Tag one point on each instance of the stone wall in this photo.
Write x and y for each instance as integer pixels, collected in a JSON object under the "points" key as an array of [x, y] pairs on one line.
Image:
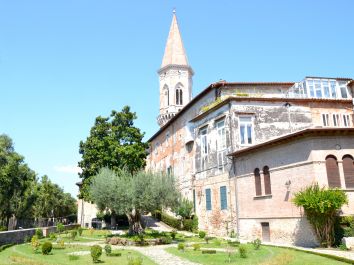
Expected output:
{"points": [[19, 236]]}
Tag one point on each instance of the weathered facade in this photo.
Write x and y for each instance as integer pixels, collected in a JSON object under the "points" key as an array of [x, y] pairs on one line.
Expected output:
{"points": [[201, 145]]}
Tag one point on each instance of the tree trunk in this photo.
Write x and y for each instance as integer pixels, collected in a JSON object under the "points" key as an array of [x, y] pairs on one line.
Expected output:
{"points": [[134, 219], [113, 220]]}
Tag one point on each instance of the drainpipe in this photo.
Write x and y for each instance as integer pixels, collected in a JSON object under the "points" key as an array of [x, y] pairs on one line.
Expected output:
{"points": [[236, 197]]}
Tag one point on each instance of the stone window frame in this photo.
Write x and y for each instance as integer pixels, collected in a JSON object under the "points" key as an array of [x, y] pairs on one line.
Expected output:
{"points": [[348, 171], [252, 129], [204, 146], [208, 199], [221, 152], [223, 198], [325, 119], [346, 120], [332, 170]]}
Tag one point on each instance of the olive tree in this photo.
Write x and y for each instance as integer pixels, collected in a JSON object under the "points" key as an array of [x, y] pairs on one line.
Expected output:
{"points": [[124, 192]]}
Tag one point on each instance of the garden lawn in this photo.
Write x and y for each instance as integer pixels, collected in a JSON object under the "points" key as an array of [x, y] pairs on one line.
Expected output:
{"points": [[23, 255], [266, 255]]}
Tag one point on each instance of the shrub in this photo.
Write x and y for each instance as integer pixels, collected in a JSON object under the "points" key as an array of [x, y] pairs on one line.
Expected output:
{"points": [[321, 206], [207, 238], [3, 228], [166, 240], [202, 234], [135, 260], [73, 234], [74, 257], [188, 224], [195, 224], [52, 236], [96, 252], [342, 247], [39, 233], [108, 249], [173, 234], [91, 231], [80, 230], [209, 251], [196, 247], [171, 221], [60, 228], [114, 241], [61, 243], [35, 243], [243, 251], [256, 243], [233, 234], [181, 246], [47, 248], [348, 231]]}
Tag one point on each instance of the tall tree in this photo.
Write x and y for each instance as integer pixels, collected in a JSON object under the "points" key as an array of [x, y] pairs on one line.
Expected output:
{"points": [[133, 193], [114, 142], [15, 180]]}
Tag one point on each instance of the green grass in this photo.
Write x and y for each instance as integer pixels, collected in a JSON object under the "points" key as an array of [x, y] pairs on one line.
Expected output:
{"points": [[23, 255], [266, 255]]}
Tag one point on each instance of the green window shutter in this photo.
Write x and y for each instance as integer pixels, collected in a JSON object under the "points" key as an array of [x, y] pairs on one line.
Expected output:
{"points": [[208, 199], [223, 198]]}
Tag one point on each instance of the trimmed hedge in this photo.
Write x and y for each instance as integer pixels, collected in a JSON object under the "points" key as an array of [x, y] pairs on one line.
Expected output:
{"points": [[209, 251], [3, 247], [171, 221]]}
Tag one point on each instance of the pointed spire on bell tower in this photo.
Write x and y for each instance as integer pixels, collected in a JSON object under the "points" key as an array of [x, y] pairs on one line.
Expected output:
{"points": [[175, 76], [174, 50]]}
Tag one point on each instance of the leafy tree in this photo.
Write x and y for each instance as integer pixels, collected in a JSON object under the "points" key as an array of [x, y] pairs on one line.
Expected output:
{"points": [[321, 206], [15, 181], [52, 201], [133, 193], [184, 208], [114, 142]]}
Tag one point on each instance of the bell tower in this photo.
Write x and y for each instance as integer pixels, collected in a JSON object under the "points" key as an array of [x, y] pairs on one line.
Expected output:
{"points": [[175, 76]]}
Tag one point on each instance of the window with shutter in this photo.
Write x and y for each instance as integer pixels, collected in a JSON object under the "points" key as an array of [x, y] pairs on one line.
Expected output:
{"points": [[257, 181], [348, 169], [332, 172], [208, 199], [223, 198], [267, 185]]}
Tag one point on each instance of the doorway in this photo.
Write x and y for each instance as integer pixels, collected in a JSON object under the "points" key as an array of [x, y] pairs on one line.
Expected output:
{"points": [[265, 232]]}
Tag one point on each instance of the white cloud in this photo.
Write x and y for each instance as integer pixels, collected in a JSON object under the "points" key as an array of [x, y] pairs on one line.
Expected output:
{"points": [[67, 169]]}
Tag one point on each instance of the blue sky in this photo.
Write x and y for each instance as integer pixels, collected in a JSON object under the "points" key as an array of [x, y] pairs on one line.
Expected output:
{"points": [[62, 63]]}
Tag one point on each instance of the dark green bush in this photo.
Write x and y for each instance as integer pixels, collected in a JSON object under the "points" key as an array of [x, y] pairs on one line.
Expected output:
{"points": [[47, 248], [243, 251], [195, 224], [39, 233], [256, 243], [202, 234], [188, 224], [108, 249], [171, 221], [96, 252], [209, 251], [115, 254]]}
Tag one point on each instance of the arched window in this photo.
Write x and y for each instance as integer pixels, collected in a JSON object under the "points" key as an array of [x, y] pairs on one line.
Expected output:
{"points": [[267, 185], [332, 172], [257, 182], [179, 94], [348, 169]]}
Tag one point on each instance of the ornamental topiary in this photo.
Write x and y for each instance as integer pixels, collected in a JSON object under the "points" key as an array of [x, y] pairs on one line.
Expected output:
{"points": [[96, 252], [47, 248], [39, 233], [108, 249], [321, 206], [243, 251], [202, 234]]}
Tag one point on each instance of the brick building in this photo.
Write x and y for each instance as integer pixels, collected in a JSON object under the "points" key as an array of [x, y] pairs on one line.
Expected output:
{"points": [[240, 150]]}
